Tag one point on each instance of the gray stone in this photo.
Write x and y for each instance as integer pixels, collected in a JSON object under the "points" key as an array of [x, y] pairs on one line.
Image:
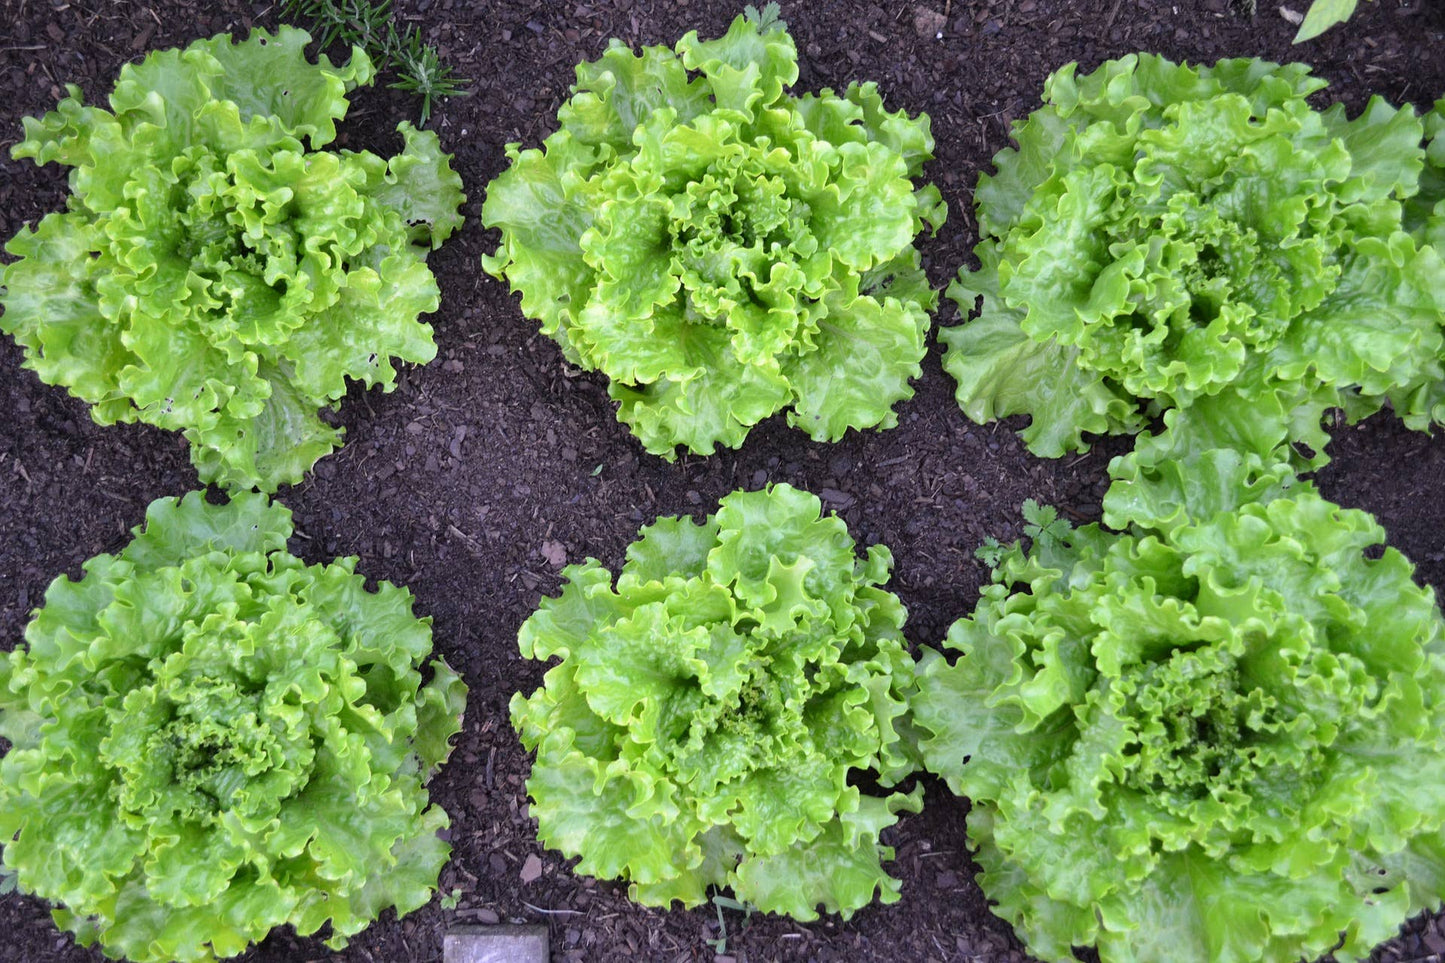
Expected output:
{"points": [[495, 944]]}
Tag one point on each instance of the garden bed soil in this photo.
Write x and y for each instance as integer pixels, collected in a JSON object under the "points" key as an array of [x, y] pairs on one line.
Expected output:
{"points": [[484, 472]]}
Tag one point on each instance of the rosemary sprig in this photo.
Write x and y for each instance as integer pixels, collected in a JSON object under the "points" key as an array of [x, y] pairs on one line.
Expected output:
{"points": [[360, 22], [368, 25], [419, 69]]}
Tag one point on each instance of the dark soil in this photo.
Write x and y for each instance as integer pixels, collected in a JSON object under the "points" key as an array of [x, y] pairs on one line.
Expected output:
{"points": [[459, 483]]}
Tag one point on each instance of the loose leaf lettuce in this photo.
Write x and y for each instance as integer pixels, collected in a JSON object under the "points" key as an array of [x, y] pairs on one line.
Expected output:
{"points": [[1201, 242], [1425, 217], [1426, 212], [709, 710], [211, 738], [1215, 737], [213, 275], [721, 249]]}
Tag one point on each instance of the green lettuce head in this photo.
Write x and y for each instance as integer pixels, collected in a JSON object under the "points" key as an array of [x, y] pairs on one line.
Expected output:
{"points": [[1425, 216], [721, 249], [708, 712], [1215, 737], [1426, 211], [214, 276], [1200, 243], [211, 738]]}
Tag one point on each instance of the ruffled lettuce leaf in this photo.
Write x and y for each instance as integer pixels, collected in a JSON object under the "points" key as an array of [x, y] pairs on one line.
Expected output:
{"points": [[1424, 404], [721, 249], [1162, 236], [708, 711], [211, 739], [212, 274], [1213, 736]]}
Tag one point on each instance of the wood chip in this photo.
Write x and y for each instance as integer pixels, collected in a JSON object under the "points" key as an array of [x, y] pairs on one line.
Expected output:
{"points": [[927, 22], [555, 553]]}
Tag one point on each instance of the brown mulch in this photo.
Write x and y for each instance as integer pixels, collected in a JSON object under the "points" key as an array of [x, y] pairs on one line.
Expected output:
{"points": [[452, 484]]}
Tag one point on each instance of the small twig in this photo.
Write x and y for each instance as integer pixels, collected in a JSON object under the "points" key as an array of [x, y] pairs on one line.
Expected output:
{"points": [[471, 543], [551, 912]]}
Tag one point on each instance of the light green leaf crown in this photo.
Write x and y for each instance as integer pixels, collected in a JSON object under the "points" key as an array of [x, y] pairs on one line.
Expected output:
{"points": [[211, 738], [1216, 737], [212, 274], [721, 249], [1200, 243], [708, 712]]}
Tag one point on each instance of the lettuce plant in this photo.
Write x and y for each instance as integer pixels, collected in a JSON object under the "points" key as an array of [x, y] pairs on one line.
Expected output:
{"points": [[1428, 210], [719, 248], [211, 738], [1217, 735], [1425, 216], [214, 276], [708, 712], [1200, 243]]}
